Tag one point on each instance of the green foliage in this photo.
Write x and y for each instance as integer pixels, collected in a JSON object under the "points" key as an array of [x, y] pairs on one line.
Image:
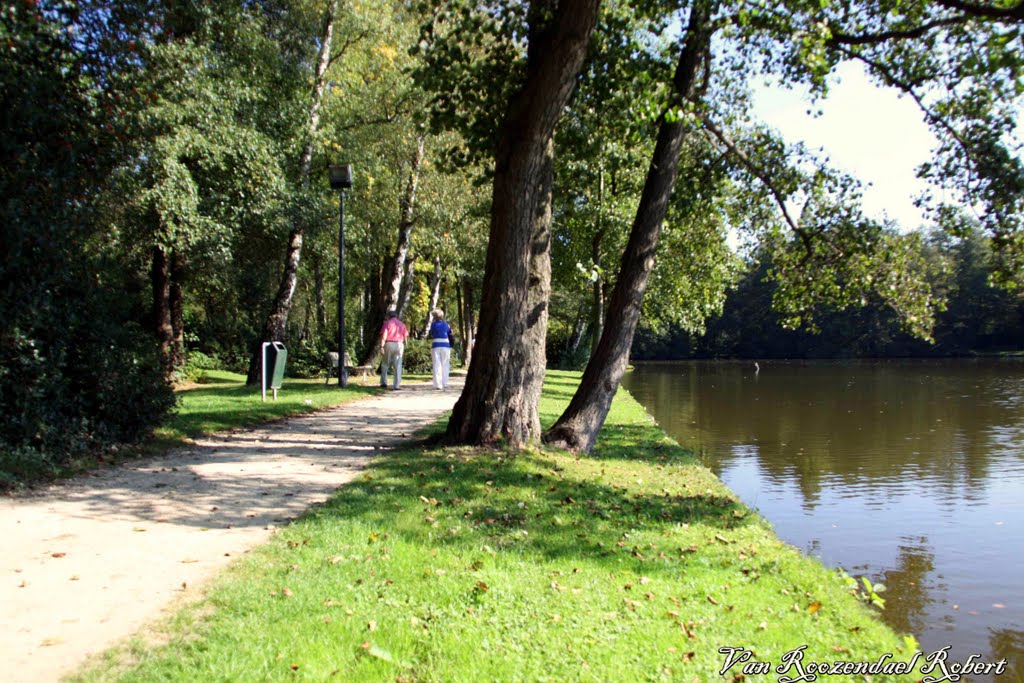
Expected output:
{"points": [[417, 356], [307, 359], [198, 364], [977, 317], [75, 372], [865, 590]]}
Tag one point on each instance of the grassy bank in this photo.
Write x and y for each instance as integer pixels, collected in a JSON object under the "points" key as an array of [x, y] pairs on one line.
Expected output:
{"points": [[452, 564]]}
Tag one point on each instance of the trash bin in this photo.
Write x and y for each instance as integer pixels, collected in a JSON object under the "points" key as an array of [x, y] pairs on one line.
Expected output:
{"points": [[274, 357]]}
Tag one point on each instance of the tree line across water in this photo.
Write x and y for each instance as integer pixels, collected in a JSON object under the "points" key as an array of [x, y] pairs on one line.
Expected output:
{"points": [[549, 172], [976, 317]]}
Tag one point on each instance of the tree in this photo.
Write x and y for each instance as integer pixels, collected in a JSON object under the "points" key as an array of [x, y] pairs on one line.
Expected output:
{"points": [[578, 426], [75, 372], [499, 401], [834, 255]]}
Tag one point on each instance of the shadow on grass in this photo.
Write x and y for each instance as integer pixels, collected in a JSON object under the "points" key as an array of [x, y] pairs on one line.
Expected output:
{"points": [[531, 504]]}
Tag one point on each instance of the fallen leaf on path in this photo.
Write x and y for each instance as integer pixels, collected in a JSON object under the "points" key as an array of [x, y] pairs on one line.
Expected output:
{"points": [[57, 554]]}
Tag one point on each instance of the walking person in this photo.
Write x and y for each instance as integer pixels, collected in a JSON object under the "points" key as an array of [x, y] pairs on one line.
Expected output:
{"points": [[392, 346], [440, 348]]}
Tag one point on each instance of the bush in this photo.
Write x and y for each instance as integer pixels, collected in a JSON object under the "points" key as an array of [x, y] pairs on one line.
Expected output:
{"points": [[307, 359], [75, 374], [197, 364], [417, 356]]}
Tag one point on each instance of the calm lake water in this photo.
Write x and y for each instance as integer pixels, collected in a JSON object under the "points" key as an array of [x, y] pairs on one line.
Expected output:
{"points": [[908, 472]]}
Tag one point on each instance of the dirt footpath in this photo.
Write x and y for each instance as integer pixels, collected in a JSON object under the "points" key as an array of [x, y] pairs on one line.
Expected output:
{"points": [[90, 561]]}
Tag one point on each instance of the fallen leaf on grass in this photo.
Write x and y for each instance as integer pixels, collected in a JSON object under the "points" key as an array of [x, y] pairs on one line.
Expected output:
{"points": [[814, 607], [712, 600]]}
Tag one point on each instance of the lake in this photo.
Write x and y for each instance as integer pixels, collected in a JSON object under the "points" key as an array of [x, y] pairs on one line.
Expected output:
{"points": [[908, 472]]}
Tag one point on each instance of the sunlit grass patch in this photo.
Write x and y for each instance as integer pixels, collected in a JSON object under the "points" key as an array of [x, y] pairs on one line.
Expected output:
{"points": [[455, 564], [225, 402]]}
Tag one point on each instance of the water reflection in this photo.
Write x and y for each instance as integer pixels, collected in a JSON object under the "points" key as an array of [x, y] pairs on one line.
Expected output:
{"points": [[909, 472]]}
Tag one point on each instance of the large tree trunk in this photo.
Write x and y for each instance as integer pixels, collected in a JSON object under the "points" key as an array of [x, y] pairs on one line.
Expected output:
{"points": [[176, 304], [371, 309], [160, 283], [467, 322], [167, 274], [502, 389], [394, 270], [579, 425], [274, 327]]}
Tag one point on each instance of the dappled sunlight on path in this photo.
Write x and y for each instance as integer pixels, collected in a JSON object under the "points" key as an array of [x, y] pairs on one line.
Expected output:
{"points": [[90, 561]]}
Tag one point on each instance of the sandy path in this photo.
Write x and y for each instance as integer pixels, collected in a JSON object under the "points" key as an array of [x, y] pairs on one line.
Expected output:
{"points": [[90, 561]]}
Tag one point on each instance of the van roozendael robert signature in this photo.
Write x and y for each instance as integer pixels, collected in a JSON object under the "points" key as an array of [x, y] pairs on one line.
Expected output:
{"points": [[935, 666]]}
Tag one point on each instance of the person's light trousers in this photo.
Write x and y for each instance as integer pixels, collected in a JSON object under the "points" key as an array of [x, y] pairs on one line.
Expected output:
{"points": [[392, 359], [442, 364]]}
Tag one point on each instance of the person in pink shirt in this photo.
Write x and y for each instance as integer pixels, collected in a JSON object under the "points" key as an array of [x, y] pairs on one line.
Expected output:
{"points": [[392, 346]]}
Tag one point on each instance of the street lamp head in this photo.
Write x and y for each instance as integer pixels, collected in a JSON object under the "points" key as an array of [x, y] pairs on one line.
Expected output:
{"points": [[341, 177]]}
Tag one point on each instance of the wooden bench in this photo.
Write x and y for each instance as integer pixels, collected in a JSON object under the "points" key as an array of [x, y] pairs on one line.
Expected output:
{"points": [[360, 371]]}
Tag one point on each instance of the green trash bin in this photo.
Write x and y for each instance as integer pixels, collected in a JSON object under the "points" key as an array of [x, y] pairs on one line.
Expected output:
{"points": [[275, 355]]}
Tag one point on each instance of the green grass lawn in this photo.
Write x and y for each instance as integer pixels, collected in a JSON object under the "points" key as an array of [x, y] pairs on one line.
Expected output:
{"points": [[455, 564]]}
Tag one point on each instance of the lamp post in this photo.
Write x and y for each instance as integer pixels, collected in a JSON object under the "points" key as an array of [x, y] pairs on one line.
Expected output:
{"points": [[341, 180]]}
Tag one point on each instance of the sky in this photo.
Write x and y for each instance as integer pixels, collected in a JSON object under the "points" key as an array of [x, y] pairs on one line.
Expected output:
{"points": [[865, 130]]}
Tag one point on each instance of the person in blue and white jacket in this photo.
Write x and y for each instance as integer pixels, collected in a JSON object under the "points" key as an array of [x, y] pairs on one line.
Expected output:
{"points": [[441, 348]]}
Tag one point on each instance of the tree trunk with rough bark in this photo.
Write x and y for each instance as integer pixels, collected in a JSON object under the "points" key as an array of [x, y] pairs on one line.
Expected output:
{"points": [[274, 327], [160, 284], [394, 271], [176, 304], [578, 426], [499, 402], [371, 298], [408, 282], [467, 322]]}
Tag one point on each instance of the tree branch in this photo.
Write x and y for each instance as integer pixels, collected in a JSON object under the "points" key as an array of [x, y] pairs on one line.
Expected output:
{"points": [[932, 117], [349, 43], [1015, 13], [839, 39], [761, 175]]}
